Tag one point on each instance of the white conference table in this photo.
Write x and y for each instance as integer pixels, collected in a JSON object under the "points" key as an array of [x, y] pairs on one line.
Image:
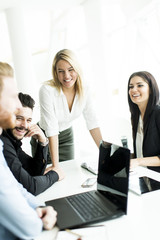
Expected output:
{"points": [[141, 222]]}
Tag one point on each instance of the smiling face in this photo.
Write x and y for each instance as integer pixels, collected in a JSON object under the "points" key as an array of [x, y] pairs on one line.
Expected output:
{"points": [[23, 122], [139, 91], [67, 76]]}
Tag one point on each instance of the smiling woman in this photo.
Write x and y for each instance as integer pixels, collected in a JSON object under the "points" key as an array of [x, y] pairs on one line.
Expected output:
{"points": [[62, 100], [66, 74], [143, 99], [139, 93]]}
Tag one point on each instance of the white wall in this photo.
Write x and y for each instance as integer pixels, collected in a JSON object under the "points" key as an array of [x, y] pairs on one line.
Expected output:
{"points": [[112, 39]]}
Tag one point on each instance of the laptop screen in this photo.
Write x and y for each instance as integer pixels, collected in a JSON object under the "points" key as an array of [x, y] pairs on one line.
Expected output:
{"points": [[113, 173]]}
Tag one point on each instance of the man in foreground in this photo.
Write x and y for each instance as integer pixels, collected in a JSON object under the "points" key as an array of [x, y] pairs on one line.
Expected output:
{"points": [[20, 216]]}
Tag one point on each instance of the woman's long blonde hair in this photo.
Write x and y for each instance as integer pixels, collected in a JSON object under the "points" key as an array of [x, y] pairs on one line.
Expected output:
{"points": [[70, 57]]}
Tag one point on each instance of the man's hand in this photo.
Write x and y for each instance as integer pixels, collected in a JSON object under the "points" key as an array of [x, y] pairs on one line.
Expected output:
{"points": [[48, 216], [58, 170], [37, 133]]}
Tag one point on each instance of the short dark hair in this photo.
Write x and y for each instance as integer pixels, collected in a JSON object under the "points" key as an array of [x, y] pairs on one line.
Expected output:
{"points": [[26, 100]]}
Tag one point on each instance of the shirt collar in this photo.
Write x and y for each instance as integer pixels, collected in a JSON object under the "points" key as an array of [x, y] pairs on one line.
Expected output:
{"points": [[15, 142]]}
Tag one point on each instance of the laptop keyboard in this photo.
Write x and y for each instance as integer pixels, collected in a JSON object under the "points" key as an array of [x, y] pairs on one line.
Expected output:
{"points": [[87, 206]]}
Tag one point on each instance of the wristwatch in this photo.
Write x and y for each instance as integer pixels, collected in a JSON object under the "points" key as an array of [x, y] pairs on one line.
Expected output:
{"points": [[44, 143]]}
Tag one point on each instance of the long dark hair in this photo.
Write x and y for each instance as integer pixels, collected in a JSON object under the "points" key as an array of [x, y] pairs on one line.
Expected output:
{"points": [[152, 101]]}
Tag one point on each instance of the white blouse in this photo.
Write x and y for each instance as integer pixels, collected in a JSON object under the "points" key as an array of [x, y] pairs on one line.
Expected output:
{"points": [[55, 115], [139, 139], [139, 147]]}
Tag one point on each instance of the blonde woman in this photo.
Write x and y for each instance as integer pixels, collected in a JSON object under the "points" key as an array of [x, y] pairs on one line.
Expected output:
{"points": [[63, 99]]}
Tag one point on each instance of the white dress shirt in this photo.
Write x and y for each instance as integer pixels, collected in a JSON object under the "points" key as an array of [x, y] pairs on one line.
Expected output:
{"points": [[18, 217], [139, 139], [139, 148], [55, 115]]}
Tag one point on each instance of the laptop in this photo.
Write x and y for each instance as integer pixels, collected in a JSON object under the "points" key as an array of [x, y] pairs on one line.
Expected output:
{"points": [[109, 201]]}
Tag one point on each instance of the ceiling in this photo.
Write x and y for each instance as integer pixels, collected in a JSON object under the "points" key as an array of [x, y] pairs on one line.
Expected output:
{"points": [[127, 5], [60, 3]]}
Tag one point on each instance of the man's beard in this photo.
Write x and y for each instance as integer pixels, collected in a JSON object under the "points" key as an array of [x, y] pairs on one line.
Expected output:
{"points": [[22, 128], [19, 128], [7, 120]]}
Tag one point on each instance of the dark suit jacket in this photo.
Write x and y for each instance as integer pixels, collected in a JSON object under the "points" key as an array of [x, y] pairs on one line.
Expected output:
{"points": [[151, 140], [27, 170]]}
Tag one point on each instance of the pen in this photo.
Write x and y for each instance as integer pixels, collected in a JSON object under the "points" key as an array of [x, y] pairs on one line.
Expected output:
{"points": [[76, 234]]}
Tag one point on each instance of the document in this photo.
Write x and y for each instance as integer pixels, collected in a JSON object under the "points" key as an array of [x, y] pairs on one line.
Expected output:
{"points": [[87, 233]]}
